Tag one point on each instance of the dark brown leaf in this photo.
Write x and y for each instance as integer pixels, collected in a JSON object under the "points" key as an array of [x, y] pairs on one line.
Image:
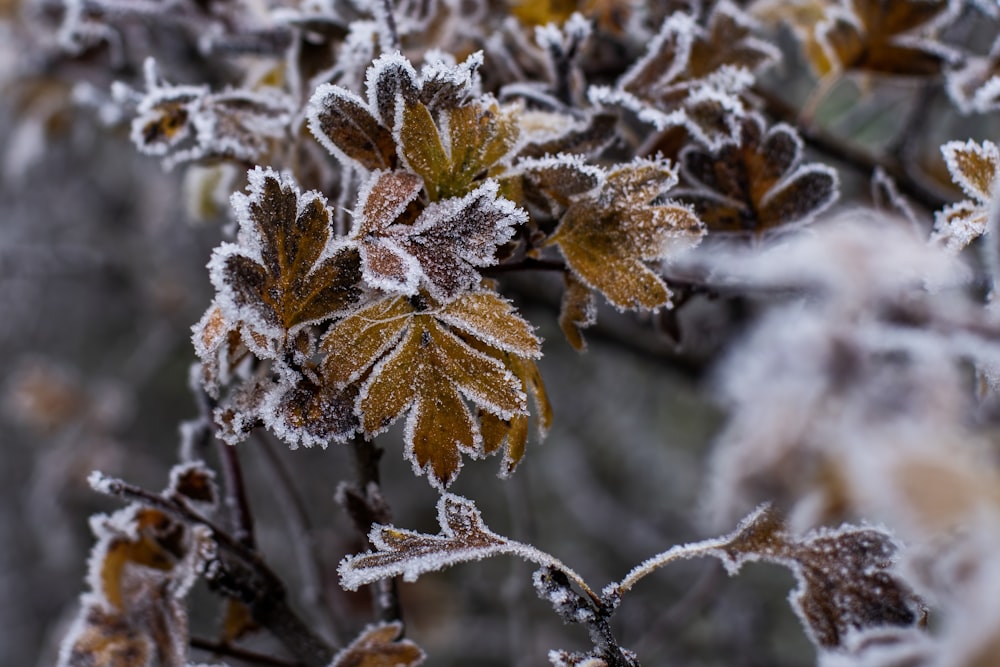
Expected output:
{"points": [[283, 274]]}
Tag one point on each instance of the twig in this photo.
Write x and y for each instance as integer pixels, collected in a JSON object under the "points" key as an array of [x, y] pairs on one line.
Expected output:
{"points": [[247, 578], [223, 649], [854, 157], [366, 459], [236, 494], [390, 23], [526, 264]]}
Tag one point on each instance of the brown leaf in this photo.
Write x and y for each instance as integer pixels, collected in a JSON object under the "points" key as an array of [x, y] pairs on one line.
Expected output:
{"points": [[874, 36], [413, 363], [380, 646], [845, 582], [578, 311], [345, 125], [479, 135], [463, 537], [282, 274], [757, 185], [607, 236], [974, 167], [311, 411], [142, 566], [442, 247]]}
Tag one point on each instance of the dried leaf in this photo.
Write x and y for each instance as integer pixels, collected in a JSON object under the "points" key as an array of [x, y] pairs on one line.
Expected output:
{"points": [[550, 183], [477, 136], [345, 125], [757, 185], [693, 76], [894, 38], [141, 568], [845, 582], [463, 537], [414, 363], [285, 272], [187, 123], [380, 646], [442, 247], [607, 236], [974, 167], [307, 411], [578, 311]]}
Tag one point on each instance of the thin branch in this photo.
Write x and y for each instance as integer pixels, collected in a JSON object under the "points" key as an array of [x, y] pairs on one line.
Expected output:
{"points": [[857, 158], [526, 264], [236, 499], [367, 456], [230, 651]]}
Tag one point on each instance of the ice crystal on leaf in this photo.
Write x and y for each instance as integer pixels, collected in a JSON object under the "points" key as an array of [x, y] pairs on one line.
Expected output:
{"points": [[440, 249], [577, 312], [692, 76], [463, 538], [758, 184], [416, 361], [893, 38], [140, 570], [845, 579], [608, 236], [974, 168], [974, 87], [285, 271], [400, 106], [550, 183], [380, 645], [185, 123], [455, 150]]}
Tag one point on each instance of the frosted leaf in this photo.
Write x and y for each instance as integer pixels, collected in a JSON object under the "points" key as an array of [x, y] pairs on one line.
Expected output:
{"points": [[974, 87], [344, 124], [609, 234], [285, 272], [550, 183], [692, 76], [140, 569], [544, 134], [974, 168], [463, 537], [441, 249], [385, 262], [844, 576], [304, 410], [452, 237], [185, 123], [845, 579], [444, 85], [894, 39], [219, 344], [390, 78], [758, 184], [423, 360], [577, 312], [453, 148], [492, 320], [380, 645]]}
